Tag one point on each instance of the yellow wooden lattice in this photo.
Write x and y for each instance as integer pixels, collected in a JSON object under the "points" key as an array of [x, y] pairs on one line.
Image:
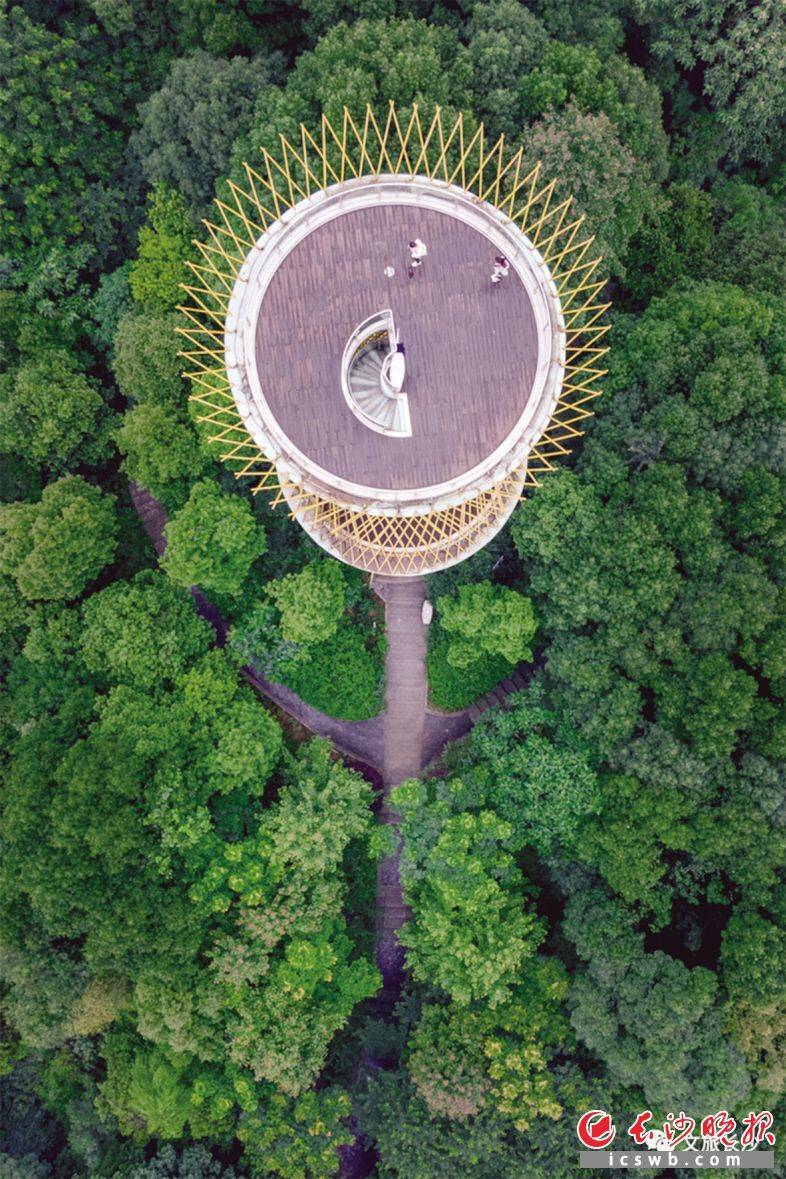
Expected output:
{"points": [[404, 143]]}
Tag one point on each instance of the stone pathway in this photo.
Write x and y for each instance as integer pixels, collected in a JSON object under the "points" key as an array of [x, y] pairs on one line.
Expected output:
{"points": [[406, 692]]}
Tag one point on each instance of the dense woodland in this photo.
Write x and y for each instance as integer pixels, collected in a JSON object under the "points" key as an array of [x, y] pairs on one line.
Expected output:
{"points": [[596, 875]]}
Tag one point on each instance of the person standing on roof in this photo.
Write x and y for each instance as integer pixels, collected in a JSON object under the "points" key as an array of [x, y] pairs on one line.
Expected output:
{"points": [[501, 269], [417, 252]]}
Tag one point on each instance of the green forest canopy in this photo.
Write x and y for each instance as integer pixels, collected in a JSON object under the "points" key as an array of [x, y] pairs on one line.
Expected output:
{"points": [[186, 930]]}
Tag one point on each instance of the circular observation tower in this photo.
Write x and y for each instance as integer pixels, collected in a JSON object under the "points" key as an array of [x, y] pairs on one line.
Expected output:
{"points": [[398, 410]]}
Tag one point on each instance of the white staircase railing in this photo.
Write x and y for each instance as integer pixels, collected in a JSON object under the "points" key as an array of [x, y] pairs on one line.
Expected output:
{"points": [[378, 331]]}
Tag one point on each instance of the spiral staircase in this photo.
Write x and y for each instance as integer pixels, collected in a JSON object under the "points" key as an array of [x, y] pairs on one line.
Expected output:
{"points": [[372, 375]]}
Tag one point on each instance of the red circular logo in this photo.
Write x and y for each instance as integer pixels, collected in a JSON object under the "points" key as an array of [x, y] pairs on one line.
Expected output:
{"points": [[595, 1130]]}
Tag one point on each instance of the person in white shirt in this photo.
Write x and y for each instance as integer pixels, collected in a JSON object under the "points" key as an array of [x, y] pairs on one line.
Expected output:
{"points": [[417, 252], [501, 268]]}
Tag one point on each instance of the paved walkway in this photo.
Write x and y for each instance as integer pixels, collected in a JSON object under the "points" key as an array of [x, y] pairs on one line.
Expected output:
{"points": [[406, 693]]}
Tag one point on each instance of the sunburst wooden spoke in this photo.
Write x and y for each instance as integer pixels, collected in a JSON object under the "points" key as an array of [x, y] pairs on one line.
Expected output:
{"points": [[376, 146]]}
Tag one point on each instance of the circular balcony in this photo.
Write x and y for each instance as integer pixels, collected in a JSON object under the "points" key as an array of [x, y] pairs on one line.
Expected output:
{"points": [[484, 363]]}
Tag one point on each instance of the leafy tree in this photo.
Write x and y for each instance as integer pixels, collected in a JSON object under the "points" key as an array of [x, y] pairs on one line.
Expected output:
{"points": [[238, 25], [733, 234], [157, 1094], [471, 931], [159, 268], [486, 618], [535, 773], [213, 540], [651, 1020], [597, 84], [40, 985], [311, 602], [143, 631], [62, 140], [341, 676], [584, 154], [286, 965], [684, 429], [188, 126], [51, 413], [752, 964], [718, 42], [506, 41], [108, 305], [54, 548], [191, 1162], [463, 1059], [146, 361], [597, 23], [452, 688], [161, 452], [369, 61], [674, 241], [749, 239], [708, 704], [626, 843], [296, 1137], [98, 1006]]}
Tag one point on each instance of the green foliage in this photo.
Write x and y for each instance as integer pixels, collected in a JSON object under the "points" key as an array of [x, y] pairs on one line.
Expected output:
{"points": [[721, 40], [51, 413], [164, 247], [626, 843], [186, 926], [583, 152], [341, 676], [597, 85], [535, 772], [161, 452], [109, 304], [618, 1005], [666, 621], [142, 631], [155, 1094], [369, 61], [145, 359], [752, 964], [471, 930], [296, 1138], [506, 42], [596, 22], [287, 969], [187, 127], [54, 548], [213, 540], [311, 602], [62, 137], [452, 688], [301, 635], [487, 619], [673, 242], [464, 1059]]}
